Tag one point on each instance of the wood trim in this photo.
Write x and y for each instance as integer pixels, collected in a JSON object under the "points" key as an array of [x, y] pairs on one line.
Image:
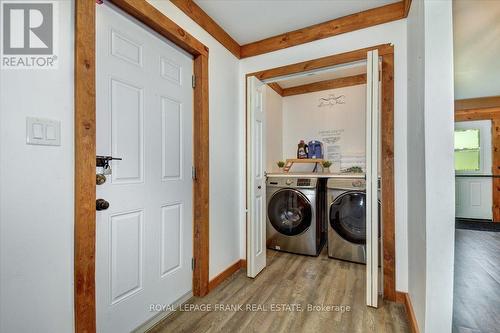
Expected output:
{"points": [[201, 192], [337, 59], [495, 167], [226, 274], [387, 172], [477, 114], [325, 85], [154, 19], [327, 29], [477, 103], [412, 319], [197, 14], [276, 87], [407, 5], [386, 51], [85, 152], [85, 139]]}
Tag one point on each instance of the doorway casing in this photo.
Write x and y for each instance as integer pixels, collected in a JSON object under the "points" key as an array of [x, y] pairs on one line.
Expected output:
{"points": [[85, 150], [386, 53]]}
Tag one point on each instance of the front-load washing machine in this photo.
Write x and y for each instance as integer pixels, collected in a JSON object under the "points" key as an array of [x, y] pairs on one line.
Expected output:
{"points": [[347, 219], [295, 214]]}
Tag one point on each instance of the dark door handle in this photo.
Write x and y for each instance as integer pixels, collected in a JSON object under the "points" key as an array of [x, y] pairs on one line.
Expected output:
{"points": [[259, 187], [101, 204]]}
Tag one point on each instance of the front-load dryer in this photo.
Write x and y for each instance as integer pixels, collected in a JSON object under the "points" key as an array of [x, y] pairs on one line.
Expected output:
{"points": [[295, 215], [347, 219]]}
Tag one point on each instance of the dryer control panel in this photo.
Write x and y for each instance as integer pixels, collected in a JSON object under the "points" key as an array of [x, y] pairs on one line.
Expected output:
{"points": [[292, 182]]}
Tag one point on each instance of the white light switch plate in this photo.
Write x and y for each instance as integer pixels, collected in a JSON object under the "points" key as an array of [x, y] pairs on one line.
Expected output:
{"points": [[40, 131]]}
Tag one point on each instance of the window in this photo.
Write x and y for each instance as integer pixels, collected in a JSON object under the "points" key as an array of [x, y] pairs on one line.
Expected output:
{"points": [[467, 150]]}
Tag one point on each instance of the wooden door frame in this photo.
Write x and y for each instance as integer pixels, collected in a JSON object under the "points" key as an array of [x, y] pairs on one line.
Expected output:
{"points": [[386, 53], [85, 149], [486, 108]]}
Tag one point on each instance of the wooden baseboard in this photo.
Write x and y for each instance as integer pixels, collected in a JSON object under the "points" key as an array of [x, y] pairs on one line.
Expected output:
{"points": [[402, 297], [226, 273]]}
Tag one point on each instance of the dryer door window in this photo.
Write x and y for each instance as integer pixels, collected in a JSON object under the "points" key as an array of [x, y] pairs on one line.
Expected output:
{"points": [[348, 216], [290, 212]]}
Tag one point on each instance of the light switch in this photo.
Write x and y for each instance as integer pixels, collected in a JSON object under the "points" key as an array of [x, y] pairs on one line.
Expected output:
{"points": [[37, 131], [50, 132], [40, 131]]}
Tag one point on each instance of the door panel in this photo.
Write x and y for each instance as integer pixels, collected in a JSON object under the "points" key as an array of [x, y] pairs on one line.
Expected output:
{"points": [[126, 254], [144, 116], [474, 198], [256, 191], [172, 139], [127, 131]]}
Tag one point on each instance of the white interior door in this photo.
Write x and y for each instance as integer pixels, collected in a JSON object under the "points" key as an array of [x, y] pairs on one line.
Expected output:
{"points": [[256, 191], [473, 184], [144, 116], [372, 142]]}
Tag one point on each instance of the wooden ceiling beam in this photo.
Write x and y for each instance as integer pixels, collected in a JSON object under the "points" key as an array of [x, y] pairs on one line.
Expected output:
{"points": [[477, 114], [327, 29], [477, 103], [276, 87], [197, 14], [349, 23], [328, 61], [157, 21], [407, 5], [325, 85]]}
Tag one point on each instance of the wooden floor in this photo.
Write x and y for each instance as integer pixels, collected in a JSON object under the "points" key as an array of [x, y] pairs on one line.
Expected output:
{"points": [[292, 279], [476, 301]]}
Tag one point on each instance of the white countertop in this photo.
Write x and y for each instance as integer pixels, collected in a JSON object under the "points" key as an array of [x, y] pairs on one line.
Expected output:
{"points": [[316, 175]]}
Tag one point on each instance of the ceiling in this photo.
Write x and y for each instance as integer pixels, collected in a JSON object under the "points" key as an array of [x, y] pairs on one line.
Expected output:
{"points": [[322, 75], [252, 20], [476, 37]]}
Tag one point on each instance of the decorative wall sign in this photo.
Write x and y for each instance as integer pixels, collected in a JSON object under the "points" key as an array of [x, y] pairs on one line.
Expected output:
{"points": [[331, 100]]}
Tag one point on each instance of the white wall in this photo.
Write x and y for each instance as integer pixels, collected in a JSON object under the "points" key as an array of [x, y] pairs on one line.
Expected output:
{"points": [[439, 164], [36, 196], [393, 32], [416, 162], [36, 183], [476, 33], [274, 129], [303, 119], [431, 187]]}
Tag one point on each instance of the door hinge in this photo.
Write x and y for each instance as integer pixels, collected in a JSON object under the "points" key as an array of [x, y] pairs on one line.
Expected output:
{"points": [[193, 172], [193, 81], [192, 264]]}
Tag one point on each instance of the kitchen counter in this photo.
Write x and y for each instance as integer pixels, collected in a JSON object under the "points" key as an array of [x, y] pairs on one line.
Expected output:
{"points": [[316, 175]]}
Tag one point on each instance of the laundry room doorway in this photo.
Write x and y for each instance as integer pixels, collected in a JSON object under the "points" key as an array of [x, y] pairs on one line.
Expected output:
{"points": [[287, 192]]}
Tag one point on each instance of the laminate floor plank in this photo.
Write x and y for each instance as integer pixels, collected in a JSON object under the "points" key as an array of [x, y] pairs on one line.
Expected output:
{"points": [[476, 295], [287, 282]]}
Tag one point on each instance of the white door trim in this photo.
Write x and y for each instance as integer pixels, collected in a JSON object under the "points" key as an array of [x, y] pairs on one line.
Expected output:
{"points": [[372, 143]]}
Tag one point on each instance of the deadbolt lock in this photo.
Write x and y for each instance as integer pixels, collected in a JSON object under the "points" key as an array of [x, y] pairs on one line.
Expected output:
{"points": [[101, 204]]}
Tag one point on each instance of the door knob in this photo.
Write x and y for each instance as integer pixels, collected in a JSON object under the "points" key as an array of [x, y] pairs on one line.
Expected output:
{"points": [[101, 204], [259, 187], [100, 179]]}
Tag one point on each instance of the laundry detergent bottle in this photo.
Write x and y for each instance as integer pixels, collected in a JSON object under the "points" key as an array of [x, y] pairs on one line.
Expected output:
{"points": [[302, 149]]}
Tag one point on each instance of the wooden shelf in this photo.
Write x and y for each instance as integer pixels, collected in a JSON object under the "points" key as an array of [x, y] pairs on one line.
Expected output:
{"points": [[291, 161]]}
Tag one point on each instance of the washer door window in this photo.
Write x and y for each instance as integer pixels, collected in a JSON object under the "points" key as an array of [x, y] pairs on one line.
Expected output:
{"points": [[348, 216], [290, 212]]}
